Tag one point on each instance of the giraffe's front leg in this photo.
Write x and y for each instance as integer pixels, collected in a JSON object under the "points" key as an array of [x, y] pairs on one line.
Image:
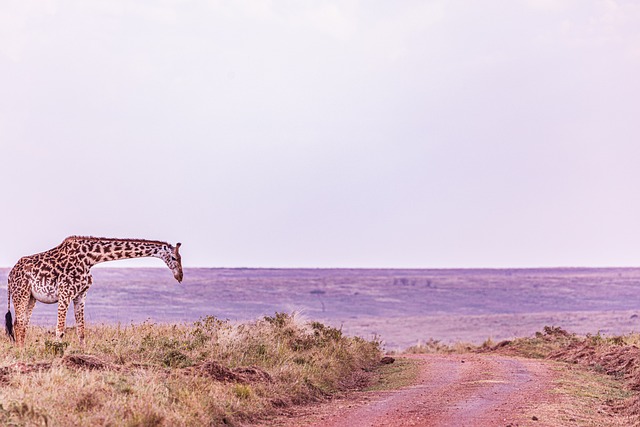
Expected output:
{"points": [[63, 306], [78, 308]]}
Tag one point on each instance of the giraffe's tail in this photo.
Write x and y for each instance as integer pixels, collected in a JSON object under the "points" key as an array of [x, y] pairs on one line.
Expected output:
{"points": [[9, 325], [8, 321]]}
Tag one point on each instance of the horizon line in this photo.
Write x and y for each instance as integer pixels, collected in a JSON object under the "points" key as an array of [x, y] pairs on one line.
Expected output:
{"points": [[559, 267]]}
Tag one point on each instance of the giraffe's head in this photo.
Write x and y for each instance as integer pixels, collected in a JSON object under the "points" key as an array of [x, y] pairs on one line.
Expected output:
{"points": [[174, 261]]}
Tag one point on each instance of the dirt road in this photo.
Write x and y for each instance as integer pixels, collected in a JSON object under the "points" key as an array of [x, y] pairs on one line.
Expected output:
{"points": [[454, 390]]}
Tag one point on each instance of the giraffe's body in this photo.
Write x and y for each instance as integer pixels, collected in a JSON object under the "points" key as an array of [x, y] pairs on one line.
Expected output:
{"points": [[62, 275]]}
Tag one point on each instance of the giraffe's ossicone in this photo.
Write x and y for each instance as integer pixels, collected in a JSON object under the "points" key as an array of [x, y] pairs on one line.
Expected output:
{"points": [[63, 274]]}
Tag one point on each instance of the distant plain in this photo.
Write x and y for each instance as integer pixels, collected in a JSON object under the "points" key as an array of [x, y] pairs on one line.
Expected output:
{"points": [[402, 307]]}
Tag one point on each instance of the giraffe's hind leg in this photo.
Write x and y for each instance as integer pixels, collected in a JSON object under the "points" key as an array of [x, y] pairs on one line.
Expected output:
{"points": [[30, 305], [23, 306]]}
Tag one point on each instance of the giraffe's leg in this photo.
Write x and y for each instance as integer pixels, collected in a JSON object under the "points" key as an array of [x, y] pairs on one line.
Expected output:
{"points": [[63, 306], [19, 330], [78, 308], [30, 305], [21, 307]]}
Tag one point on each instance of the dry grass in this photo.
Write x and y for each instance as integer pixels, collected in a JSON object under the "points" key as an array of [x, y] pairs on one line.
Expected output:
{"points": [[209, 373], [401, 373], [586, 398]]}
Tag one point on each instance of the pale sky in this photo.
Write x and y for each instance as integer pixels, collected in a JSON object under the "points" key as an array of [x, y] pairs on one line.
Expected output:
{"points": [[325, 133]]}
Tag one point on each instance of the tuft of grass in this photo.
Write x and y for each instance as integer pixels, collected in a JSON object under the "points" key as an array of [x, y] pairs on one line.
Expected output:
{"points": [[211, 372], [401, 373], [242, 391]]}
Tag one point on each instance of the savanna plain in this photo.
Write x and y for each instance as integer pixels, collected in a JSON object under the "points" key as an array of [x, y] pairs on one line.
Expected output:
{"points": [[263, 346]]}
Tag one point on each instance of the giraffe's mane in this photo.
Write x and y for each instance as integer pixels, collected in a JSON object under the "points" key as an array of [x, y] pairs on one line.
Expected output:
{"points": [[112, 239]]}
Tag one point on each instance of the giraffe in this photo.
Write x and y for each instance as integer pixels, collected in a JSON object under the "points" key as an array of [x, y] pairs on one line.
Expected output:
{"points": [[62, 275]]}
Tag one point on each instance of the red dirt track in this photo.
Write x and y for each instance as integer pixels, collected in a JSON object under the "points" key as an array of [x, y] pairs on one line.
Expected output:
{"points": [[455, 390]]}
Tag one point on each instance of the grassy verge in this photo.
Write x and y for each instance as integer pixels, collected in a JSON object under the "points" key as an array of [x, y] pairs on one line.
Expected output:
{"points": [[209, 373], [586, 398]]}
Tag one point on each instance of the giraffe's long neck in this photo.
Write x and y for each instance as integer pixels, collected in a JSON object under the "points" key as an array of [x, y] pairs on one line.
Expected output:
{"points": [[97, 250]]}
